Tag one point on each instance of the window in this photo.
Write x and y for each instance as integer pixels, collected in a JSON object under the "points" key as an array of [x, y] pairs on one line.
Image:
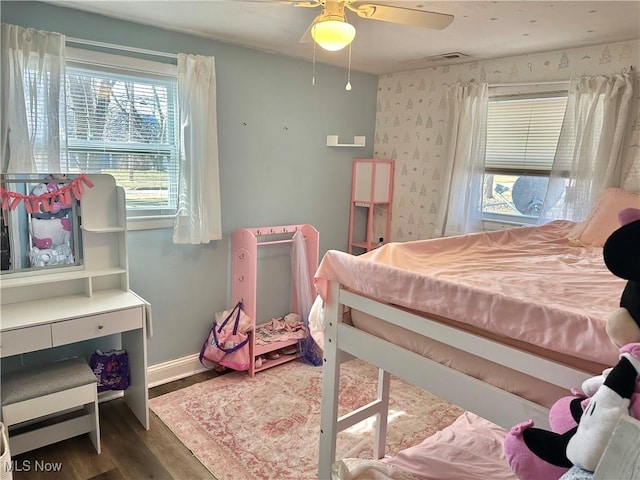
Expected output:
{"points": [[122, 119], [522, 136]]}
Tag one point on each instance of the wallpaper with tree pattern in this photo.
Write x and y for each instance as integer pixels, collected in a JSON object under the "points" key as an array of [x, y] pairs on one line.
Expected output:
{"points": [[411, 113]]}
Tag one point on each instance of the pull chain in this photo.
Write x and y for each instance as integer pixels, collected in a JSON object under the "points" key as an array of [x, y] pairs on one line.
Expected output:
{"points": [[348, 85], [313, 74]]}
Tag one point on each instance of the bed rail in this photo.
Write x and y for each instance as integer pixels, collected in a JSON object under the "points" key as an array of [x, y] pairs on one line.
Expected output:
{"points": [[492, 403], [621, 459]]}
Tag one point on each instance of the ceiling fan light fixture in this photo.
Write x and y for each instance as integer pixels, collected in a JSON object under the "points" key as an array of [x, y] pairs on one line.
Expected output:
{"points": [[333, 33]]}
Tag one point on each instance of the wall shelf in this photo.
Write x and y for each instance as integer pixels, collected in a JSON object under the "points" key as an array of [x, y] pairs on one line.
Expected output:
{"points": [[358, 141]]}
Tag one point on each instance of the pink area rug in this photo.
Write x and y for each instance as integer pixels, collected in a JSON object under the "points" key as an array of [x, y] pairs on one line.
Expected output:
{"points": [[267, 427]]}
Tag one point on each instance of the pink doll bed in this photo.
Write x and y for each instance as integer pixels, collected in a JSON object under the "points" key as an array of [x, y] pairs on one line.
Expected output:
{"points": [[524, 310]]}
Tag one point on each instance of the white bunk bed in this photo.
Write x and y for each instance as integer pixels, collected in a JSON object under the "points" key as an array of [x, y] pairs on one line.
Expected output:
{"points": [[349, 292], [620, 459]]}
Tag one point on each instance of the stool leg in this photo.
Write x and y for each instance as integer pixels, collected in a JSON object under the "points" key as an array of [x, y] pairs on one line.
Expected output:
{"points": [[94, 434]]}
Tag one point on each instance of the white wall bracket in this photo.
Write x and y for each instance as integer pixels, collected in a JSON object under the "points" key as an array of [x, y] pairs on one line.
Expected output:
{"points": [[358, 141]]}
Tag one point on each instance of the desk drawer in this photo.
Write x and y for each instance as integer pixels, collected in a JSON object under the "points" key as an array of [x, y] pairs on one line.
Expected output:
{"points": [[94, 326], [25, 340]]}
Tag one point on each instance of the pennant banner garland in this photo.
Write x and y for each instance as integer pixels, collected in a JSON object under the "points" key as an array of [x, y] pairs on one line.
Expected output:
{"points": [[55, 193]]}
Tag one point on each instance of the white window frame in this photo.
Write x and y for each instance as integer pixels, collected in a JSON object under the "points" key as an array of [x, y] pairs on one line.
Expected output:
{"points": [[521, 91], [82, 58]]}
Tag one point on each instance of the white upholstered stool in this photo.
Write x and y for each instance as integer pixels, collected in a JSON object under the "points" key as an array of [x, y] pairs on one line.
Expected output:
{"points": [[34, 394]]}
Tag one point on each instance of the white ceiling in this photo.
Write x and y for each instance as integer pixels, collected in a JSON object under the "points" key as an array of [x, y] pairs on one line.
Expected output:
{"points": [[481, 29]]}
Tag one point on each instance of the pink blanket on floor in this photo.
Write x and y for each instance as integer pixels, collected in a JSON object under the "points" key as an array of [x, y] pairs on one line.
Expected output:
{"points": [[524, 283], [468, 449]]}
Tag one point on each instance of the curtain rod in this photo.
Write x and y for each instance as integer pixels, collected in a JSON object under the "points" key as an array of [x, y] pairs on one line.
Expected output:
{"points": [[528, 84], [112, 46]]}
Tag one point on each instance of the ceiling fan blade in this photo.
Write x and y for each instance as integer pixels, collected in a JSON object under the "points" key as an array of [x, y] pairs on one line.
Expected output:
{"points": [[406, 16], [303, 3], [294, 3]]}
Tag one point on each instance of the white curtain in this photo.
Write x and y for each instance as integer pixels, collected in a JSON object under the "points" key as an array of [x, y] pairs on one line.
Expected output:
{"points": [[460, 209], [589, 154], [198, 218], [300, 277], [33, 70]]}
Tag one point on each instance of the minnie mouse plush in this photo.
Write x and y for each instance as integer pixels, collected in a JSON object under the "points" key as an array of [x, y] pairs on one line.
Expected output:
{"points": [[582, 425]]}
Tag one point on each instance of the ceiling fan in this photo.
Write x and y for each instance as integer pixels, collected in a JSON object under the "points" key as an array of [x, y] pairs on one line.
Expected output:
{"points": [[331, 31]]}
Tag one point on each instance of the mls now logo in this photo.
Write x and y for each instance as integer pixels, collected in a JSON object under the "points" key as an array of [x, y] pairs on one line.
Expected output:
{"points": [[32, 466]]}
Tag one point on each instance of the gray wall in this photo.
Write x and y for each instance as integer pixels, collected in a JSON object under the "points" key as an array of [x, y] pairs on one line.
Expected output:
{"points": [[274, 166]]}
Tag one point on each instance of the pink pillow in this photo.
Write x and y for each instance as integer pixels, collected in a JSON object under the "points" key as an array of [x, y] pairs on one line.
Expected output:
{"points": [[603, 219], [628, 215]]}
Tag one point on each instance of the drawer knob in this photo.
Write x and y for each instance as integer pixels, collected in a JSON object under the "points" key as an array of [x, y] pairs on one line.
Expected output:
{"points": [[100, 327]]}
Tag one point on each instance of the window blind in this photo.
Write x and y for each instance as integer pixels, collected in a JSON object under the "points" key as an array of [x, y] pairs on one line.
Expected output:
{"points": [[522, 134], [125, 125]]}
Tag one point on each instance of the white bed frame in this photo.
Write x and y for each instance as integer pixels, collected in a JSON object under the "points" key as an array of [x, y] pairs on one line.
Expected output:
{"points": [[621, 459], [342, 342]]}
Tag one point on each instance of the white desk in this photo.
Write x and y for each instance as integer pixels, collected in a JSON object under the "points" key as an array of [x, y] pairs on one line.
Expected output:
{"points": [[46, 323]]}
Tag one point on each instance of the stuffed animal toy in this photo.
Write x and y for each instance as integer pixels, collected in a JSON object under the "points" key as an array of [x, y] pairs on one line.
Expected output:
{"points": [[50, 226], [46, 257], [582, 424], [56, 206], [50, 233]]}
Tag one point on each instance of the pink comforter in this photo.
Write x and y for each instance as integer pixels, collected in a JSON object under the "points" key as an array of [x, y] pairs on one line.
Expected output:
{"points": [[524, 283], [468, 449]]}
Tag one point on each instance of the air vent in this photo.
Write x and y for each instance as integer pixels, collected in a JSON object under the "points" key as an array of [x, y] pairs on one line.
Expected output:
{"points": [[446, 56], [435, 60]]}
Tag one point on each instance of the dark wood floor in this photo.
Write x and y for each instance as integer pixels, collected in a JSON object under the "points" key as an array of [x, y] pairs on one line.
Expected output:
{"points": [[128, 450]]}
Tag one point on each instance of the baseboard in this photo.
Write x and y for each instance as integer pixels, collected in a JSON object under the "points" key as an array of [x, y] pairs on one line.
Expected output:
{"points": [[166, 372]]}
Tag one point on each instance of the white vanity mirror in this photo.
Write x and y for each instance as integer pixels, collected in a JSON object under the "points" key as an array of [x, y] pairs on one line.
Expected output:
{"points": [[84, 294], [40, 223]]}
